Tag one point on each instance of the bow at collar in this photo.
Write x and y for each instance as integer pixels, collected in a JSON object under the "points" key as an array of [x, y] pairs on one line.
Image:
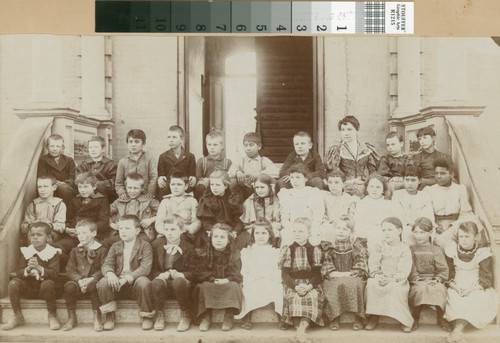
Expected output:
{"points": [[172, 249]]}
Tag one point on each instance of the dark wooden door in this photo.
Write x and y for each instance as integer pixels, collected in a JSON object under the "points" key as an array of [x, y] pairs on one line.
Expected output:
{"points": [[284, 92]]}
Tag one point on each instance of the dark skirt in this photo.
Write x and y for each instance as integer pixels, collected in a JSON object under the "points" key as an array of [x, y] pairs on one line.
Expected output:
{"points": [[209, 295], [343, 295]]}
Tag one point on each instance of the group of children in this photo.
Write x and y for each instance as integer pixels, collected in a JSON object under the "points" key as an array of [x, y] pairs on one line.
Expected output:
{"points": [[227, 236]]}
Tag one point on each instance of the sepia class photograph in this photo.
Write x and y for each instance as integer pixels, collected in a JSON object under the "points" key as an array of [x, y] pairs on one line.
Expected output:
{"points": [[249, 188]]}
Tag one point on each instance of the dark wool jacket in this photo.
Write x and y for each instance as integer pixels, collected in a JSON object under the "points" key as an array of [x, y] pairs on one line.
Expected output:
{"points": [[141, 259], [82, 265], [213, 264], [167, 163], [97, 209], [62, 171], [185, 263]]}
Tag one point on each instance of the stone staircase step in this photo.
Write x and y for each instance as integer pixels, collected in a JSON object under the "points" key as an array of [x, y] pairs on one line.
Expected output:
{"points": [[35, 312], [124, 333]]}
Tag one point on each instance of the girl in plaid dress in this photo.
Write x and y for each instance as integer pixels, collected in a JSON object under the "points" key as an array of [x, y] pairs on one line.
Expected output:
{"points": [[300, 265]]}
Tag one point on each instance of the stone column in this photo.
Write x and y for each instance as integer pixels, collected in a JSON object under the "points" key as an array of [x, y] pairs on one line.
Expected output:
{"points": [[93, 77]]}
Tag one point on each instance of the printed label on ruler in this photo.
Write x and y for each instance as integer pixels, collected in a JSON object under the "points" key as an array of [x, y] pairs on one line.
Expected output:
{"points": [[344, 17], [399, 17]]}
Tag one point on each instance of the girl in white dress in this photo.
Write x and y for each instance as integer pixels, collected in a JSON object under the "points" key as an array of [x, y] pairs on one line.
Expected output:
{"points": [[261, 275], [471, 298], [387, 288]]}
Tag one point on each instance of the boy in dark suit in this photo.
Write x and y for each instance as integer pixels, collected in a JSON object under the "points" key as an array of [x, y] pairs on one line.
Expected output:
{"points": [[60, 166], [173, 271], [126, 271]]}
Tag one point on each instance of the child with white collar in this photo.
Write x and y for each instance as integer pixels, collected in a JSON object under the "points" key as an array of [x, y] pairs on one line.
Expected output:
{"points": [[83, 271], [39, 267]]}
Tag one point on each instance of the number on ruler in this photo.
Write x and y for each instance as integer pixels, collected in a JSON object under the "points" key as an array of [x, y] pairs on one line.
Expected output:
{"points": [[241, 27], [301, 28], [261, 27], [181, 27], [201, 27], [160, 24], [281, 28], [140, 23], [222, 28], [321, 28]]}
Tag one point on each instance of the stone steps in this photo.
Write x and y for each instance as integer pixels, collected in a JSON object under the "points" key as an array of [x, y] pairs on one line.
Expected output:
{"points": [[35, 312], [261, 332]]}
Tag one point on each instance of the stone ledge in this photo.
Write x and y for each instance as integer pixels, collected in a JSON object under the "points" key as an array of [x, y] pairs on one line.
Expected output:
{"points": [[125, 333]]}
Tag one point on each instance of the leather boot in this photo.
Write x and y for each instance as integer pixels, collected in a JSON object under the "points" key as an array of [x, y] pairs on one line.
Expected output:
{"points": [[53, 322], [97, 321], [14, 321], [205, 321], [160, 321], [71, 322], [185, 321], [109, 324], [227, 324]]}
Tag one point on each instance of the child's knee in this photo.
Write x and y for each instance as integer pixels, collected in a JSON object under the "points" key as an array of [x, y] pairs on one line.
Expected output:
{"points": [[47, 286], [70, 287], [158, 285], [141, 283], [180, 283], [14, 286]]}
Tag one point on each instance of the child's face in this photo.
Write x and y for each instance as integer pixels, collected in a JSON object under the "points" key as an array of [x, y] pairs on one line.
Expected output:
{"points": [[302, 145], [178, 186], [348, 133], [411, 184], [342, 232], [421, 236], [390, 233], [261, 235], [394, 146], [127, 230], [86, 189], [55, 147], [443, 176], [251, 148], [466, 240], [214, 146], [335, 185], [426, 141], [45, 188], [261, 189], [95, 149], [220, 239], [375, 189], [217, 186], [172, 232], [134, 187], [298, 180], [38, 238], [85, 235], [300, 233], [135, 145], [174, 139]]}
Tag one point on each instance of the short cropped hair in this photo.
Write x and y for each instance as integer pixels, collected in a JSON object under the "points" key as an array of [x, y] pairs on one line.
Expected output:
{"points": [[221, 174], [336, 173], [175, 219], [99, 139], [445, 163], [86, 177], [178, 129], [469, 227], [349, 120], [215, 135], [133, 218], [411, 171], [304, 221], [394, 134], [54, 137], [47, 177], [90, 224], [135, 177], [137, 134], [303, 134], [377, 177], [426, 131], [298, 168], [252, 137], [47, 228], [179, 174]]}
